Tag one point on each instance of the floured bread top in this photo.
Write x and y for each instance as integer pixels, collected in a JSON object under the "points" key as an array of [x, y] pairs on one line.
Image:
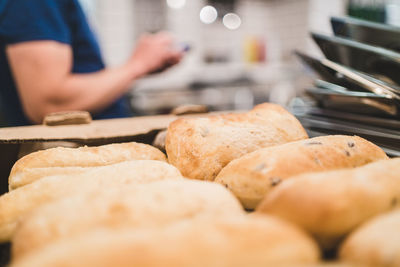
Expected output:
{"points": [[60, 161], [152, 205], [201, 147], [244, 241]]}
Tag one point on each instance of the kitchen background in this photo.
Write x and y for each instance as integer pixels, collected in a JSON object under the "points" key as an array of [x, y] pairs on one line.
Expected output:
{"points": [[236, 60]]}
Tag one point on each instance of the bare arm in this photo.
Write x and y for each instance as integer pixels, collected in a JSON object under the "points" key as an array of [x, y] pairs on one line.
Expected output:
{"points": [[42, 71]]}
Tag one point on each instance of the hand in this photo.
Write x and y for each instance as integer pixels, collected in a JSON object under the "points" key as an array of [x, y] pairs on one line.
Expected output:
{"points": [[154, 53]]}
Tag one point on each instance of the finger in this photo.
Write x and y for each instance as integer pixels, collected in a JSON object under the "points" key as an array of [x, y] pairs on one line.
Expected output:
{"points": [[165, 38], [175, 58]]}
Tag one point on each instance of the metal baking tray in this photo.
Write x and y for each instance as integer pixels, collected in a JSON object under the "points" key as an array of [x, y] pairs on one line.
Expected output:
{"points": [[387, 123], [382, 131], [376, 61], [337, 89], [321, 70], [349, 78], [334, 88], [337, 97], [379, 34]]}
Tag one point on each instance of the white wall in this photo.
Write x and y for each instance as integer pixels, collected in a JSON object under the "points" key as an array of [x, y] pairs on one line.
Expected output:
{"points": [[319, 19], [116, 29], [283, 24]]}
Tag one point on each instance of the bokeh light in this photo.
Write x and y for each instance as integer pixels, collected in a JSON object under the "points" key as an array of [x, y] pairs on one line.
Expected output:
{"points": [[232, 21], [208, 14], [176, 4]]}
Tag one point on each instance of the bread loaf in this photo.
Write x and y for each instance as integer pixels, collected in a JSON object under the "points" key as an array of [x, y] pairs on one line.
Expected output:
{"points": [[376, 243], [201, 147], [60, 161], [155, 204], [254, 175], [234, 242], [19, 202], [330, 205]]}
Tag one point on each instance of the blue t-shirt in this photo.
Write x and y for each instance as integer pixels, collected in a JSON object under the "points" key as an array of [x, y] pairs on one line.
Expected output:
{"points": [[57, 20]]}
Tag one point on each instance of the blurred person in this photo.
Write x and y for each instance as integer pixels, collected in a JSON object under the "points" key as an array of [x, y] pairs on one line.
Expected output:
{"points": [[50, 61]]}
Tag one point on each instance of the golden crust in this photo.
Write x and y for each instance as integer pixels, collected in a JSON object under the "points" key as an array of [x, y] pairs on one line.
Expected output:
{"points": [[201, 147], [254, 175], [62, 161], [329, 205], [152, 205], [377, 243], [243, 241], [19, 202]]}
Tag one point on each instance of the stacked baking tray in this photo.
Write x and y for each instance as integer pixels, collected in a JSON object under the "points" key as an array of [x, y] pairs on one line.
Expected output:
{"points": [[357, 89]]}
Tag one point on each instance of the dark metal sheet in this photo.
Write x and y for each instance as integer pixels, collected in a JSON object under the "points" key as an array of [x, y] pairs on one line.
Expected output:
{"points": [[376, 61], [349, 78], [379, 34]]}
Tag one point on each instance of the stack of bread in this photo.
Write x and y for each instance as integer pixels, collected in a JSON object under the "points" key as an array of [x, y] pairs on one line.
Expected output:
{"points": [[236, 190]]}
